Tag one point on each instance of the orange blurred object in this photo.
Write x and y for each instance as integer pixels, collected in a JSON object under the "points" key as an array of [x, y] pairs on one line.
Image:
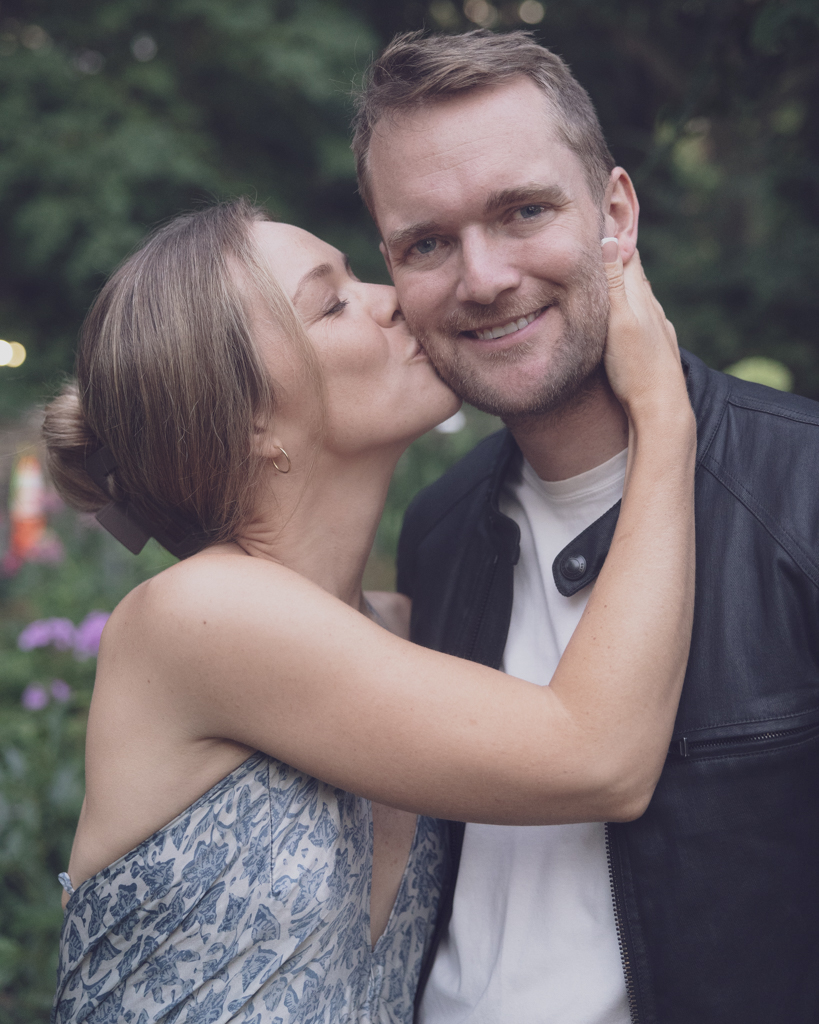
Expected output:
{"points": [[27, 508]]}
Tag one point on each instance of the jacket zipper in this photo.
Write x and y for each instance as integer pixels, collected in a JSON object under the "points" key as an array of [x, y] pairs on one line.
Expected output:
{"points": [[684, 747], [487, 590], [625, 955]]}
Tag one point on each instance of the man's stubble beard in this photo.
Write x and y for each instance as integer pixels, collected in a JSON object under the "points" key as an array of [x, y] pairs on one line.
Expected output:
{"points": [[575, 369]]}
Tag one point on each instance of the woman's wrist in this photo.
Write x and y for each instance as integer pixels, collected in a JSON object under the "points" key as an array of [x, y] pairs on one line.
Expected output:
{"points": [[666, 409], [664, 440]]}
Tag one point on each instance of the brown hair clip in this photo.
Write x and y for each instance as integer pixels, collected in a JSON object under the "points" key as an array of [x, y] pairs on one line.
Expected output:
{"points": [[126, 525]]}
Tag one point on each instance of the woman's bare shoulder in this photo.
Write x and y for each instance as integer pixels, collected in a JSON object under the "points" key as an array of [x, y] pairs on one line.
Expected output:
{"points": [[393, 609], [214, 587]]}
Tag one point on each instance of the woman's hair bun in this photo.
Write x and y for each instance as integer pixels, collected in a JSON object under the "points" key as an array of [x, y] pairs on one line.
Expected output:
{"points": [[170, 380], [69, 441]]}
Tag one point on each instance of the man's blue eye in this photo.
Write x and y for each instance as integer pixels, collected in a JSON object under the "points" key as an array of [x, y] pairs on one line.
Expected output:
{"points": [[530, 211], [425, 246]]}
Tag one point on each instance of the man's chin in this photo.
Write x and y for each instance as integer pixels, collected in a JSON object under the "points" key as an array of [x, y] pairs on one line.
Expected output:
{"points": [[554, 407], [522, 392]]}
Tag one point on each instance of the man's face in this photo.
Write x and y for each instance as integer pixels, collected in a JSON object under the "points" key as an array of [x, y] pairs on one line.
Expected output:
{"points": [[493, 241]]}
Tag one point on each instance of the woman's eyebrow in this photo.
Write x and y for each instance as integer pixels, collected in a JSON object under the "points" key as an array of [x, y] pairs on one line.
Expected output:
{"points": [[319, 271]]}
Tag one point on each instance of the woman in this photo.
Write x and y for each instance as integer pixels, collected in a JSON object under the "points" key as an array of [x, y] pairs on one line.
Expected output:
{"points": [[241, 395]]}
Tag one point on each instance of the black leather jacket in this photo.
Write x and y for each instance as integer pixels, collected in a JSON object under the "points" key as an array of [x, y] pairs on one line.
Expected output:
{"points": [[716, 886]]}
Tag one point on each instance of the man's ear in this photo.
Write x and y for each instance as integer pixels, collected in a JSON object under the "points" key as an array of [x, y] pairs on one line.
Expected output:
{"points": [[386, 255], [621, 211]]}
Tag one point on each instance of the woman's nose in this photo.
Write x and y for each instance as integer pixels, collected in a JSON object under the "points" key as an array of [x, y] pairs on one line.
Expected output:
{"points": [[383, 304]]}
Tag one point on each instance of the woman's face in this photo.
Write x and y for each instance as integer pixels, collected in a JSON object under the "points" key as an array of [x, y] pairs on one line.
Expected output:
{"points": [[380, 387]]}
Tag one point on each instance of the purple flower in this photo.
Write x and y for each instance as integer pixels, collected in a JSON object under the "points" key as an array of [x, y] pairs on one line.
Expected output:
{"points": [[11, 563], [34, 697], [60, 690], [43, 632], [88, 634]]}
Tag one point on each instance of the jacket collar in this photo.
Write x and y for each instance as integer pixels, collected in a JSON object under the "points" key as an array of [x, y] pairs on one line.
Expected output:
{"points": [[708, 391], [580, 562]]}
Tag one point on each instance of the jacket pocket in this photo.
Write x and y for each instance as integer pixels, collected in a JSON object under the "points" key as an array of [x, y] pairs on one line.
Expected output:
{"points": [[744, 737]]}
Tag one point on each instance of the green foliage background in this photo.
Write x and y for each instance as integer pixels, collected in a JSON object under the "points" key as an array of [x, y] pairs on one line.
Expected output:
{"points": [[41, 752], [713, 105]]}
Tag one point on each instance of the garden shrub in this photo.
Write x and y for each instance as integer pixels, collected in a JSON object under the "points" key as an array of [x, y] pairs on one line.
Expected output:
{"points": [[50, 620]]}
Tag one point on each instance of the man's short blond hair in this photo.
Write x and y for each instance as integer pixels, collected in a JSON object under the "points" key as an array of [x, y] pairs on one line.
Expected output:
{"points": [[416, 70]]}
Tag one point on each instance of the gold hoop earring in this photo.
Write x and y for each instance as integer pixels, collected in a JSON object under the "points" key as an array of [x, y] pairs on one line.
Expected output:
{"points": [[277, 467]]}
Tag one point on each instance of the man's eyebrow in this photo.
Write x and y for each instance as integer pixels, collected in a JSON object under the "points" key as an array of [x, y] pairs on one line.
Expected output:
{"points": [[549, 195], [319, 271], [533, 192], [398, 239]]}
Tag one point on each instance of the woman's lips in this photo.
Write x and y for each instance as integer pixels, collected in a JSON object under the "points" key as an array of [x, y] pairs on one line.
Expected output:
{"points": [[419, 352]]}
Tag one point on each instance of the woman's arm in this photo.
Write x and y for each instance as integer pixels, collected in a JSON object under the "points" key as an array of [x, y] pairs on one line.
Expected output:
{"points": [[245, 649]]}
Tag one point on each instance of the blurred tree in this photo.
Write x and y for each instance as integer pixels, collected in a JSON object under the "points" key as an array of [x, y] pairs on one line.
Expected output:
{"points": [[114, 115], [713, 106], [117, 114], [42, 740]]}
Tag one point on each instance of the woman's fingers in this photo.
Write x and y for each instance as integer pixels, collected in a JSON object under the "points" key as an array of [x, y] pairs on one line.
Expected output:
{"points": [[619, 299], [640, 338], [611, 249], [613, 266], [645, 305]]}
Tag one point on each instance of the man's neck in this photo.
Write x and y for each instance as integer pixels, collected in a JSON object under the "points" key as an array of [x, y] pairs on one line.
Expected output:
{"points": [[575, 438]]}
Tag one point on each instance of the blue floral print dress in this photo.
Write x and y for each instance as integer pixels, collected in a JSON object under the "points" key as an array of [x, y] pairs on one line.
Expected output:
{"points": [[253, 906]]}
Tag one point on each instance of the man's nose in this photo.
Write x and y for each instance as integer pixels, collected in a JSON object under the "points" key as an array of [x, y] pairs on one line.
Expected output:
{"points": [[485, 272]]}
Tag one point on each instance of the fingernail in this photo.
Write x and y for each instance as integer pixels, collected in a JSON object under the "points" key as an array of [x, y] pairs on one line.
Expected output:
{"points": [[611, 247]]}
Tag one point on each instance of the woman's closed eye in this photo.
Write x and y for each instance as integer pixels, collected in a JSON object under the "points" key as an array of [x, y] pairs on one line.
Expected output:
{"points": [[338, 306]]}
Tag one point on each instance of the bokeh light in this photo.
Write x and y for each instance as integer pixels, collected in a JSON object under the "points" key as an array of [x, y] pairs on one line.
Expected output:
{"points": [[12, 354], [761, 370], [35, 38], [144, 48], [481, 13], [531, 12], [454, 425], [89, 62]]}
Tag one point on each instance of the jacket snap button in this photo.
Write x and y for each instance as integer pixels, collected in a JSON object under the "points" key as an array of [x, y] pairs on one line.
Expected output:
{"points": [[573, 567]]}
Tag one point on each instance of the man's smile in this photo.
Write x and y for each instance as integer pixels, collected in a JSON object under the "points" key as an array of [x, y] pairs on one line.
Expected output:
{"points": [[500, 330], [488, 333]]}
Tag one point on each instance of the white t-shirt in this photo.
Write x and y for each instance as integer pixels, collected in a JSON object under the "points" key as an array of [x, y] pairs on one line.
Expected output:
{"points": [[532, 939]]}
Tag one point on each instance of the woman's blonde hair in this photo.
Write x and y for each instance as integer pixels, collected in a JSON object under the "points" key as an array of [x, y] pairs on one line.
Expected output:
{"points": [[170, 381]]}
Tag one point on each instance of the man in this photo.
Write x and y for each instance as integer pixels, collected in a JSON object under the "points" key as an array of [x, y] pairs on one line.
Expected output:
{"points": [[483, 164]]}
